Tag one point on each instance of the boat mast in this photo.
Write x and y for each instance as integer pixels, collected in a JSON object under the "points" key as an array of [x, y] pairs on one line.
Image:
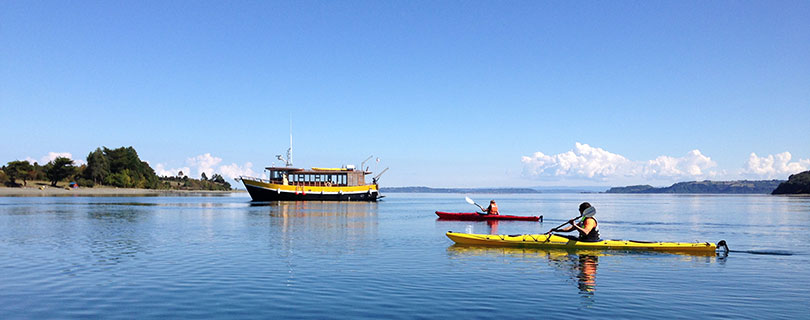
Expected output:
{"points": [[288, 160], [289, 151]]}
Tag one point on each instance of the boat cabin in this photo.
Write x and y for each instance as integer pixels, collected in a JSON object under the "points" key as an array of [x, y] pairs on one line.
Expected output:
{"points": [[317, 177]]}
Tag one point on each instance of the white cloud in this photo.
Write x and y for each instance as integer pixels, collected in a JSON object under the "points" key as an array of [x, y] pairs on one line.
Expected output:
{"points": [[582, 162], [693, 165], [209, 165], [53, 155], [160, 170], [773, 166], [204, 163], [591, 163], [233, 170]]}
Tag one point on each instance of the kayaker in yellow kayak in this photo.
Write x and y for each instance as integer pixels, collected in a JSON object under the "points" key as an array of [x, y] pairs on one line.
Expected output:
{"points": [[587, 227], [492, 209]]}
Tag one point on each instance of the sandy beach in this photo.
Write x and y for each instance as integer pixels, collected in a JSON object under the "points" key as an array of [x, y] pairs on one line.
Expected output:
{"points": [[47, 191]]}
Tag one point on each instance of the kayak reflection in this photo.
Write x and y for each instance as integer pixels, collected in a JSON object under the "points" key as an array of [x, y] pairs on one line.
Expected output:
{"points": [[579, 265], [493, 226]]}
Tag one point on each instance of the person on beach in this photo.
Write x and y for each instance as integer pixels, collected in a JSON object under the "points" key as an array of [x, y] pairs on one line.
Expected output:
{"points": [[492, 209], [587, 227]]}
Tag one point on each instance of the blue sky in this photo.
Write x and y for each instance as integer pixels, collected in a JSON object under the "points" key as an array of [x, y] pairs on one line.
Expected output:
{"points": [[447, 94]]}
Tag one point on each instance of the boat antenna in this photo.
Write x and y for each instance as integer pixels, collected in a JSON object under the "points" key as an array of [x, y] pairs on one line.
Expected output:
{"points": [[362, 164], [289, 151], [288, 160]]}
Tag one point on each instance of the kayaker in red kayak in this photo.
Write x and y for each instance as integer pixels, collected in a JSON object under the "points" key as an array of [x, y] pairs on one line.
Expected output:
{"points": [[588, 227], [492, 209]]}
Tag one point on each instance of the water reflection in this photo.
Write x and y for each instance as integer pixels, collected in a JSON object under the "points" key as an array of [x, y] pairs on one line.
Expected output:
{"points": [[581, 268], [114, 234], [329, 222], [316, 228], [493, 226], [578, 265]]}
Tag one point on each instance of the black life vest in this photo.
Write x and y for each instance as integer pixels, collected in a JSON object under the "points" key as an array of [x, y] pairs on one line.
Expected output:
{"points": [[592, 236]]}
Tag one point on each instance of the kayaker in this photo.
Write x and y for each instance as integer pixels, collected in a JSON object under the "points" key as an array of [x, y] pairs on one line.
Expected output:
{"points": [[492, 209], [587, 227]]}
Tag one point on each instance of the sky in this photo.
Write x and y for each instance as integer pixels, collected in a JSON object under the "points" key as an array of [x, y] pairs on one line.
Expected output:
{"points": [[444, 93]]}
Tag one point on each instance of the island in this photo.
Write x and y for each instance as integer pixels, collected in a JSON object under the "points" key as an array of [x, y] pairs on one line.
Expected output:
{"points": [[796, 184], [106, 171], [706, 186]]}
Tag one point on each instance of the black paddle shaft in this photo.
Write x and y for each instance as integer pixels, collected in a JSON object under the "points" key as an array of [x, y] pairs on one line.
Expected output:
{"points": [[567, 222]]}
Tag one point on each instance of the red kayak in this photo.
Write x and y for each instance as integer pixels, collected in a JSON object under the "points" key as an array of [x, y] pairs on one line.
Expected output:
{"points": [[481, 217]]}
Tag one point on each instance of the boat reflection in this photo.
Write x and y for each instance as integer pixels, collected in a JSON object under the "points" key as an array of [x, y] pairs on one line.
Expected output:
{"points": [[331, 220]]}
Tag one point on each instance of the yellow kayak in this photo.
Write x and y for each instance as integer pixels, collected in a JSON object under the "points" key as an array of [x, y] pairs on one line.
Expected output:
{"points": [[557, 242]]}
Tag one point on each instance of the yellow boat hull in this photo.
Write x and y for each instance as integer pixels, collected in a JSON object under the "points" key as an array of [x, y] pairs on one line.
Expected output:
{"points": [[557, 242]]}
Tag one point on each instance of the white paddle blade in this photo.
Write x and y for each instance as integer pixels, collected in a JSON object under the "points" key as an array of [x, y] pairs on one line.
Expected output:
{"points": [[470, 201], [590, 212]]}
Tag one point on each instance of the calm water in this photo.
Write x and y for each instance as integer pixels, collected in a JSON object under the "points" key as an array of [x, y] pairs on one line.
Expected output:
{"points": [[220, 257]]}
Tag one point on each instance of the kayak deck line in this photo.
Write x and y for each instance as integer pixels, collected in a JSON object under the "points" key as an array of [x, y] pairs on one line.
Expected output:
{"points": [[558, 242]]}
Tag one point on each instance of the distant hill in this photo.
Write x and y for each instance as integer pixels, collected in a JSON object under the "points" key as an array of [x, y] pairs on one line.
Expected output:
{"points": [[797, 184], [457, 190], [582, 189], [706, 186]]}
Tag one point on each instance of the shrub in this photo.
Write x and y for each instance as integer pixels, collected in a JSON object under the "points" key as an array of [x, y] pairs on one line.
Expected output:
{"points": [[87, 183]]}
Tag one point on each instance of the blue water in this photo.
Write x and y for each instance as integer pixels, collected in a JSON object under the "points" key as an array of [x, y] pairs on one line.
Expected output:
{"points": [[221, 257]]}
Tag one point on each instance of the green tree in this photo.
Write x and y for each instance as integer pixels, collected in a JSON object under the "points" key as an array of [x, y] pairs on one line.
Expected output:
{"points": [[38, 173], [58, 169], [140, 174], [218, 178], [204, 177], [19, 170], [98, 167], [121, 179]]}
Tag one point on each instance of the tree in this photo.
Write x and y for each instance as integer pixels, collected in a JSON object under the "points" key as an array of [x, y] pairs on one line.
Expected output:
{"points": [[38, 173], [218, 178], [58, 169], [204, 177], [19, 169], [180, 174], [140, 174], [98, 167]]}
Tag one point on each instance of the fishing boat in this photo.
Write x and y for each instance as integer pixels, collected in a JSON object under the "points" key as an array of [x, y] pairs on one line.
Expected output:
{"points": [[288, 183], [320, 184]]}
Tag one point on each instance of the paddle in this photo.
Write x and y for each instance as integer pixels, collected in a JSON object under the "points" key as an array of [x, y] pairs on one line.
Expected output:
{"points": [[470, 201], [587, 213]]}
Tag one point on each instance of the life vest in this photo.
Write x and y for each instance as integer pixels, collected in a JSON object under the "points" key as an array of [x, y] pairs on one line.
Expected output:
{"points": [[592, 236], [493, 209]]}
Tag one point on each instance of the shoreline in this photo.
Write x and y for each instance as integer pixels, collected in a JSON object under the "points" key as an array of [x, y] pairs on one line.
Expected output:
{"points": [[106, 192]]}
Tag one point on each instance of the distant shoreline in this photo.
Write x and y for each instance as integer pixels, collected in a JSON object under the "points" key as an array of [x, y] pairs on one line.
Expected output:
{"points": [[104, 192]]}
